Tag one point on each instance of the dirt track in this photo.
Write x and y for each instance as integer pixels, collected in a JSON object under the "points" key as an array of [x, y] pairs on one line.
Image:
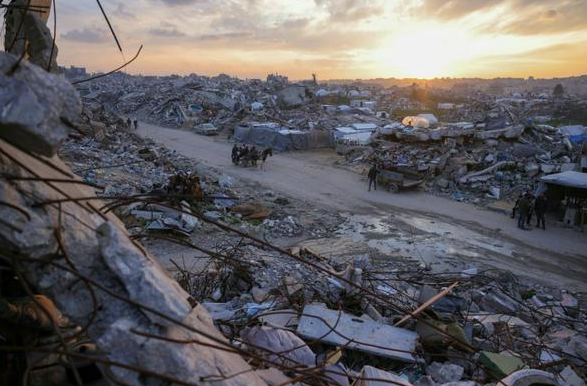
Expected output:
{"points": [[557, 256]]}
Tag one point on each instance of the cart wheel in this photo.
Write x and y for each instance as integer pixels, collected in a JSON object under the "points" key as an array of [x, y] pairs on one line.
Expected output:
{"points": [[393, 188]]}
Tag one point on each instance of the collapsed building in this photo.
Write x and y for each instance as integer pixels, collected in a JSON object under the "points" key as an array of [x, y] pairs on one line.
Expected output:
{"points": [[82, 301]]}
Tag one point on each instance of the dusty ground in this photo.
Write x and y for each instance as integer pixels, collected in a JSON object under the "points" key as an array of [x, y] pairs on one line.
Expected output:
{"points": [[438, 231]]}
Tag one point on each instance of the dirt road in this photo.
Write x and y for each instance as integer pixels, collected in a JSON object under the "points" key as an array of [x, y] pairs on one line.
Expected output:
{"points": [[557, 256]]}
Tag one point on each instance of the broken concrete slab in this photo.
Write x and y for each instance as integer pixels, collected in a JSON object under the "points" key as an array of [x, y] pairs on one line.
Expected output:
{"points": [[568, 377], [372, 376], [500, 365], [341, 329], [498, 302], [141, 276], [37, 107], [286, 319], [445, 372], [282, 347]]}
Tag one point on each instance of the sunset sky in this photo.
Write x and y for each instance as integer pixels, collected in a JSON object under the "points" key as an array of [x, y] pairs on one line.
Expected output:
{"points": [[333, 38]]}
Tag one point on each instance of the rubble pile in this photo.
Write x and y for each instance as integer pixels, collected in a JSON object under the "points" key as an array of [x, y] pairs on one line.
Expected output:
{"points": [[411, 325], [474, 164], [256, 313], [474, 146]]}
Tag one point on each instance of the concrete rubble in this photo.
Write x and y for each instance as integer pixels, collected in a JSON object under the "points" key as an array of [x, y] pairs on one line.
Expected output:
{"points": [[484, 151], [241, 310]]}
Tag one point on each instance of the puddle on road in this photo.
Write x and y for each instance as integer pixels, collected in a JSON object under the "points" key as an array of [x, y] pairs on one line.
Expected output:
{"points": [[458, 233], [422, 239]]}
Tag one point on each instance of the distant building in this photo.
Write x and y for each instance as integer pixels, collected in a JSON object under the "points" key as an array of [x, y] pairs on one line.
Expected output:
{"points": [[276, 78], [446, 106], [360, 103], [73, 72]]}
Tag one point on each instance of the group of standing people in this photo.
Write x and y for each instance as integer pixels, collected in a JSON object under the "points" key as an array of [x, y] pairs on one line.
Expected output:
{"points": [[526, 206], [130, 123]]}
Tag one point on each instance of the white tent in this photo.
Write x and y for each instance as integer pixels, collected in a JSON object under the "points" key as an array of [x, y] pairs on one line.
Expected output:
{"points": [[430, 117], [417, 122]]}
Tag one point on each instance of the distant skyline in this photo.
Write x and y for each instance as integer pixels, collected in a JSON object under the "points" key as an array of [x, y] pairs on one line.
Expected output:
{"points": [[336, 39]]}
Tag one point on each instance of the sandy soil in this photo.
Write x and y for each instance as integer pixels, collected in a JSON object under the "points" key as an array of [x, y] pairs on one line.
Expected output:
{"points": [[557, 256]]}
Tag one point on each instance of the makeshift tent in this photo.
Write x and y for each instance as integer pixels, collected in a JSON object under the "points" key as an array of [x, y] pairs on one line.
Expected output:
{"points": [[569, 188], [573, 130], [417, 122], [567, 179], [360, 133], [430, 117], [278, 138], [392, 128]]}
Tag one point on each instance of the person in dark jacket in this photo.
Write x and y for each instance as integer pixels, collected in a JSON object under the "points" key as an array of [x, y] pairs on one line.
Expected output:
{"points": [[523, 210], [234, 153], [540, 206], [531, 211], [136, 124], [373, 172], [515, 208]]}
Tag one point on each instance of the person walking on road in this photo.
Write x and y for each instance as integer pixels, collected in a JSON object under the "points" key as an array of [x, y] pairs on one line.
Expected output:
{"points": [[540, 206], [523, 210], [373, 172], [136, 123]]}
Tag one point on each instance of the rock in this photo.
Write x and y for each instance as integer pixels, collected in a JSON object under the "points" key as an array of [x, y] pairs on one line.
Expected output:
{"points": [[34, 37], [142, 277], [447, 372], [578, 345], [498, 302], [514, 131], [523, 151], [532, 169], [425, 380], [260, 294], [35, 107], [442, 183], [294, 96], [226, 182], [110, 327], [569, 302], [500, 365], [568, 377], [294, 351], [371, 376], [547, 169]]}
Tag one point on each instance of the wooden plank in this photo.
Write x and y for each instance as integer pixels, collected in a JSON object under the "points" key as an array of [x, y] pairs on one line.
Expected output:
{"points": [[427, 304]]}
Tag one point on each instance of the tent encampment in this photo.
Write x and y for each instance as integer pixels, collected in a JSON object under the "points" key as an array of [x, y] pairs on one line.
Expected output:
{"points": [[281, 138]]}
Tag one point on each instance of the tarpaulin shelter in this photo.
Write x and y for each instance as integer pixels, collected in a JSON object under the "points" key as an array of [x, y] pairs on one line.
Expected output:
{"points": [[280, 138], [574, 180], [572, 188]]}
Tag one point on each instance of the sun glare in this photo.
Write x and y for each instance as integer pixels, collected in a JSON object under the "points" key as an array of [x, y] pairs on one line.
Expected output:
{"points": [[425, 53]]}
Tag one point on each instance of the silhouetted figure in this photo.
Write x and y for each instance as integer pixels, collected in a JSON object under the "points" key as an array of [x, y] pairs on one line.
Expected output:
{"points": [[523, 209], [373, 172], [540, 206]]}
